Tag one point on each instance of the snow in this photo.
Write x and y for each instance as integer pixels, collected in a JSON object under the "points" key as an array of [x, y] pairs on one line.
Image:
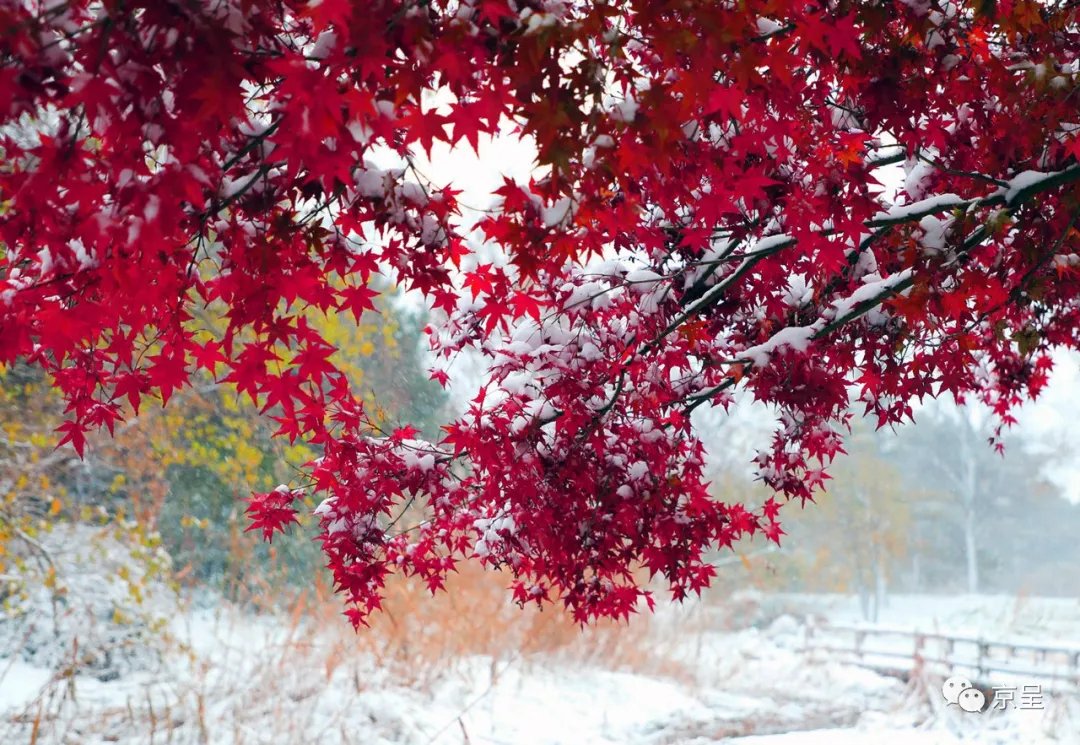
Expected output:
{"points": [[733, 669], [917, 179], [686, 678], [151, 208], [535, 22], [360, 132], [851, 737], [934, 231], [557, 212], [231, 186], [1026, 181], [766, 26], [20, 682], [767, 244], [930, 205], [85, 259], [371, 182], [624, 111], [796, 338], [643, 280], [872, 289], [799, 291], [45, 261], [324, 45]]}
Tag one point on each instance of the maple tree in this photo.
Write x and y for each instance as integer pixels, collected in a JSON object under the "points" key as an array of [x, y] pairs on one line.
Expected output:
{"points": [[705, 214]]}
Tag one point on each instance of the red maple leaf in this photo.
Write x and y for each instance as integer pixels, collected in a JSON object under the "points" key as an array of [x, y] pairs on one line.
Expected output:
{"points": [[524, 304], [357, 300], [480, 280], [208, 356], [271, 512]]}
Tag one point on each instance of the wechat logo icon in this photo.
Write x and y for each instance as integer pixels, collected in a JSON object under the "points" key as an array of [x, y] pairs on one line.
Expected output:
{"points": [[957, 690]]}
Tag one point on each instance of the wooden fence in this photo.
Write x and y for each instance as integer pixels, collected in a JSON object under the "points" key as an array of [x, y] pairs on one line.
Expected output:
{"points": [[885, 647]]}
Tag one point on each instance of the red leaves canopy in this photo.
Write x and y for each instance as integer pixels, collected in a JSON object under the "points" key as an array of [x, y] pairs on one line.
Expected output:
{"points": [[706, 213]]}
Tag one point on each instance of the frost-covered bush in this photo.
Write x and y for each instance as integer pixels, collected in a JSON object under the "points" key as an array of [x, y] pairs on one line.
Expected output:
{"points": [[90, 599]]}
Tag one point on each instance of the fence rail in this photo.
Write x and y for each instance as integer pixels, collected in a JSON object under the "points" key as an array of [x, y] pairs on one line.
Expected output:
{"points": [[885, 647]]}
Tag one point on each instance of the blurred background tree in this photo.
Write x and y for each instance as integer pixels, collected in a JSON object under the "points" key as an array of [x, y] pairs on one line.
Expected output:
{"points": [[178, 474], [929, 508], [858, 536]]}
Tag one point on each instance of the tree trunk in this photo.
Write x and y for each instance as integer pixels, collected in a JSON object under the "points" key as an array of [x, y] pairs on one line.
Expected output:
{"points": [[864, 600], [970, 550], [880, 582], [970, 487]]}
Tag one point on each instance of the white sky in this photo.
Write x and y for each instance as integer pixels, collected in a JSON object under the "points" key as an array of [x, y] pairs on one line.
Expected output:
{"points": [[1051, 424]]}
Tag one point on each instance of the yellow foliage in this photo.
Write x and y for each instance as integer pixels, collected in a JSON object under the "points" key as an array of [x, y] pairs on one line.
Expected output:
{"points": [[208, 427]]}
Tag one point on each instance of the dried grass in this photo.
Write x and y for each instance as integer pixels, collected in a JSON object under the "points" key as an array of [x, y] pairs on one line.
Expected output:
{"points": [[288, 659]]}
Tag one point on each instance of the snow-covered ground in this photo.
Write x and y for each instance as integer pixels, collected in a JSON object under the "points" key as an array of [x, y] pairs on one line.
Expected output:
{"points": [[230, 677]]}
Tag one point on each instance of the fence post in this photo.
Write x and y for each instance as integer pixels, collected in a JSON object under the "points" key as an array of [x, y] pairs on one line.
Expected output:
{"points": [[918, 658], [984, 651]]}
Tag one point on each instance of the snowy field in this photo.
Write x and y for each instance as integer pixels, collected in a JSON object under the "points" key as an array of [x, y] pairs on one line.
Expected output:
{"points": [[230, 677]]}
